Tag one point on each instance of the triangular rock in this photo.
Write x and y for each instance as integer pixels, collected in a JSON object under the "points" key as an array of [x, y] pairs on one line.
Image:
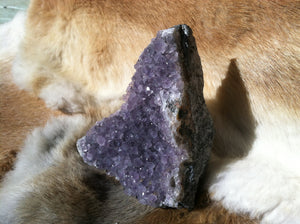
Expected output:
{"points": [[158, 143]]}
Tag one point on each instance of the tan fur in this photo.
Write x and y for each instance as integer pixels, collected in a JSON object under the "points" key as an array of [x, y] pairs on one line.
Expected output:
{"points": [[99, 42], [118, 32], [250, 57]]}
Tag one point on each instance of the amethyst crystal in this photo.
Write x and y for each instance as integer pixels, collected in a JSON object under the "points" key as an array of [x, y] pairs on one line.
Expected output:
{"points": [[158, 143]]}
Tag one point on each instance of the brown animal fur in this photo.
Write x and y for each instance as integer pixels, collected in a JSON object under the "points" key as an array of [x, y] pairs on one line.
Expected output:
{"points": [[14, 104], [249, 55], [120, 30], [257, 35]]}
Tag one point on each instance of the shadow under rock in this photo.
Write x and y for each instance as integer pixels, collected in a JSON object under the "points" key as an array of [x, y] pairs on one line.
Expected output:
{"points": [[233, 119]]}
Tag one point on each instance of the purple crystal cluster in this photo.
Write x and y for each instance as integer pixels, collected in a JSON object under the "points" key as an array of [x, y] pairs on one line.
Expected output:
{"points": [[150, 145]]}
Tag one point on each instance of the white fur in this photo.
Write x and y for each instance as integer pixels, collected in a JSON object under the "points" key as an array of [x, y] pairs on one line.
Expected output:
{"points": [[266, 183], [11, 34], [58, 94], [43, 148], [23, 73]]}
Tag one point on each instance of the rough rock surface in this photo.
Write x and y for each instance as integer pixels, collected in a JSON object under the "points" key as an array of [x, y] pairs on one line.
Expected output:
{"points": [[158, 143]]}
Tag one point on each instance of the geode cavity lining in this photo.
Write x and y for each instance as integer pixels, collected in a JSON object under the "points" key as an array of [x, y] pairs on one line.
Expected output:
{"points": [[158, 143]]}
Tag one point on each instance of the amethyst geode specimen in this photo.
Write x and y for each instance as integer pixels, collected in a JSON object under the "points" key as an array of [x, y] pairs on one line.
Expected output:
{"points": [[158, 143]]}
